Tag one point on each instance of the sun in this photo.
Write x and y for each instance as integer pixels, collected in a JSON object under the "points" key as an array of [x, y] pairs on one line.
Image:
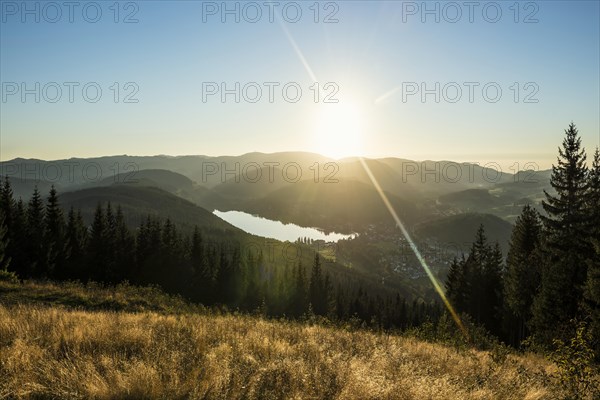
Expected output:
{"points": [[339, 129]]}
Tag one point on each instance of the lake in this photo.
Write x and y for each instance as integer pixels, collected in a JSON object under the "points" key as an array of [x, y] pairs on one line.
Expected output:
{"points": [[275, 229]]}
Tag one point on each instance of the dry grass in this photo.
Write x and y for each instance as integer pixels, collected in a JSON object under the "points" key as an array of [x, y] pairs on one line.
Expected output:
{"points": [[50, 352]]}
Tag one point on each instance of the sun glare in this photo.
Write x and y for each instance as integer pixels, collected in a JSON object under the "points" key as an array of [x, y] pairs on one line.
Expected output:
{"points": [[339, 130]]}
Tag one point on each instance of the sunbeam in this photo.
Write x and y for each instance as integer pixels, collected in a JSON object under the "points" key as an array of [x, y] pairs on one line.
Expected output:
{"points": [[298, 51], [414, 248]]}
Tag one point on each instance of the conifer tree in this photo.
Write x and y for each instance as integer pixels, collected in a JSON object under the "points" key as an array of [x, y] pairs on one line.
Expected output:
{"points": [[35, 237], [254, 294], [474, 284], [317, 289], [109, 270], [149, 245], [7, 203], [54, 229], [124, 252], [75, 247], [592, 287], [592, 199], [493, 275], [475, 275], [4, 259], [18, 245], [456, 284], [96, 248], [567, 250], [299, 300], [201, 276], [523, 268], [15, 223]]}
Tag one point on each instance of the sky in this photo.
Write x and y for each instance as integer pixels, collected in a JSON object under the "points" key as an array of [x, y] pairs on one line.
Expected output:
{"points": [[481, 81]]}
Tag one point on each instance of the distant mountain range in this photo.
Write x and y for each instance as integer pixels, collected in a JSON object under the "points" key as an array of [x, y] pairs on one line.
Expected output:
{"points": [[304, 188]]}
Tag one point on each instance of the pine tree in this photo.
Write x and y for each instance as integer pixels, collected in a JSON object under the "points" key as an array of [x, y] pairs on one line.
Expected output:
{"points": [[299, 300], [7, 203], [171, 272], [198, 259], [592, 287], [329, 299], [317, 289], [493, 274], [224, 277], [4, 259], [523, 274], [96, 248], [475, 275], [237, 278], [35, 237], [567, 249], [254, 294], [201, 275], [54, 228], [148, 250], [75, 247], [566, 220], [18, 245], [456, 284], [592, 198], [474, 284], [14, 221], [124, 251], [109, 270]]}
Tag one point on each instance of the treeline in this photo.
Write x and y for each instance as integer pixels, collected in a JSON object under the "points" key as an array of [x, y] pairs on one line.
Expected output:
{"points": [[552, 273], [38, 242]]}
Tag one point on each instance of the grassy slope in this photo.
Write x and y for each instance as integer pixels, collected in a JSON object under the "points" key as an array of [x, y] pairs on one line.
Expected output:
{"points": [[74, 351]]}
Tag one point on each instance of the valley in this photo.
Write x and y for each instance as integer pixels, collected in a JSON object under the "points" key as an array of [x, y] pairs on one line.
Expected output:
{"points": [[436, 200]]}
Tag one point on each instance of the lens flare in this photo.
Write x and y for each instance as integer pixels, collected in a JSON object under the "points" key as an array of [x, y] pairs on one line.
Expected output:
{"points": [[414, 248]]}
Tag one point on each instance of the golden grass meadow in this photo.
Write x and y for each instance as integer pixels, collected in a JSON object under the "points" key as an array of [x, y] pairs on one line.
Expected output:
{"points": [[142, 350]]}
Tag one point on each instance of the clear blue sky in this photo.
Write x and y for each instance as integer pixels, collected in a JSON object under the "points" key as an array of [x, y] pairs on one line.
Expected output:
{"points": [[374, 53]]}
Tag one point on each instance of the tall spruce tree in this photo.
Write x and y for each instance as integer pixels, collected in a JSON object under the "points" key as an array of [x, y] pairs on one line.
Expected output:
{"points": [[299, 298], [523, 270], [54, 229], [18, 245], [475, 275], [457, 284], [35, 237], [14, 221], [317, 288], [592, 287], [96, 247], [109, 270], [201, 275], [7, 203], [254, 293], [493, 276], [148, 250], [4, 259], [567, 249], [592, 199], [124, 249], [474, 284], [75, 247]]}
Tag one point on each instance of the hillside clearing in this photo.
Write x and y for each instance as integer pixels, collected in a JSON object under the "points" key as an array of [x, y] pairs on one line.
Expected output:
{"points": [[54, 352]]}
